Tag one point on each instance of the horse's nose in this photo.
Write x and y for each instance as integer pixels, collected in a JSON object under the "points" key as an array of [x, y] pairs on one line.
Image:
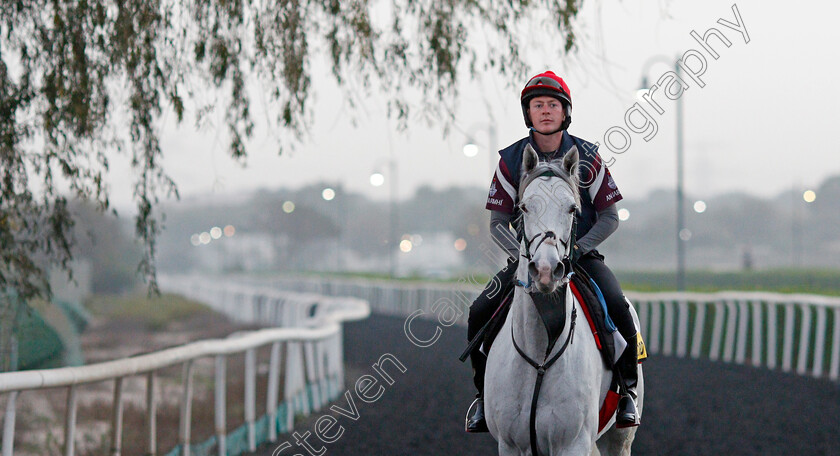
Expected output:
{"points": [[559, 271], [532, 269], [542, 271]]}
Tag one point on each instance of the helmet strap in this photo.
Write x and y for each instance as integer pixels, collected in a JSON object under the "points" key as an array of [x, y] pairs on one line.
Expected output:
{"points": [[558, 130]]}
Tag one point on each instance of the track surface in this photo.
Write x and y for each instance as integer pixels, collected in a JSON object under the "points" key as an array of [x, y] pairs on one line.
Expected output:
{"points": [[692, 407]]}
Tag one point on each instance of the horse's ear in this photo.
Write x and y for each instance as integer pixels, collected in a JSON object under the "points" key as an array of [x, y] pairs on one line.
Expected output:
{"points": [[529, 159], [571, 162]]}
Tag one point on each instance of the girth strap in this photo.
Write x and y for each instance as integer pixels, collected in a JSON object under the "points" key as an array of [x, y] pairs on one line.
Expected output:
{"points": [[541, 368]]}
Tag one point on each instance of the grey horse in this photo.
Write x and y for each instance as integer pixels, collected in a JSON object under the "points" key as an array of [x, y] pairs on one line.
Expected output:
{"points": [[574, 387]]}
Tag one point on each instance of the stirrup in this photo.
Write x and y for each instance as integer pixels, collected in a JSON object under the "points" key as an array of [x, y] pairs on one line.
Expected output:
{"points": [[469, 415], [626, 424]]}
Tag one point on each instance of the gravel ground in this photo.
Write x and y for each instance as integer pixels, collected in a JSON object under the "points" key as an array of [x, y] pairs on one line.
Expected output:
{"points": [[692, 407]]}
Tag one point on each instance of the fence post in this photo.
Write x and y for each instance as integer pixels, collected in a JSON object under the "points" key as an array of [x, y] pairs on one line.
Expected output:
{"points": [[151, 410], [731, 321], [743, 329], [9, 425], [186, 408], [717, 331], [804, 339], [772, 339], [819, 343], [70, 421], [273, 390], [117, 418], [655, 324], [682, 328], [250, 396], [834, 370], [221, 427], [757, 339], [668, 329], [699, 326], [787, 354]]}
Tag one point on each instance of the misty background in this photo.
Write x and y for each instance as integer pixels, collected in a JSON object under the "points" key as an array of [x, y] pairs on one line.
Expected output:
{"points": [[443, 234], [758, 136]]}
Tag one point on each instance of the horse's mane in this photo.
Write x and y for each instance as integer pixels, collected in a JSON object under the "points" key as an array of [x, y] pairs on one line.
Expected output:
{"points": [[554, 168]]}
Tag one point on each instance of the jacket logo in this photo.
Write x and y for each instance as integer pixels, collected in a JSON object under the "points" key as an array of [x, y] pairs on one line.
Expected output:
{"points": [[493, 188]]}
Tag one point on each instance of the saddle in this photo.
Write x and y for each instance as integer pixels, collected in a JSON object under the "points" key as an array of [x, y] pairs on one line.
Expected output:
{"points": [[584, 289]]}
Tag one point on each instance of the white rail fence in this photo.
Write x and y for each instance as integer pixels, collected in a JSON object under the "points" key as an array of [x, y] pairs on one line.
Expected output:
{"points": [[305, 371], [794, 333]]}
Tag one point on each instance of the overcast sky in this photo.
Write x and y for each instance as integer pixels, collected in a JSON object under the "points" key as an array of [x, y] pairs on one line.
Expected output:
{"points": [[765, 121]]}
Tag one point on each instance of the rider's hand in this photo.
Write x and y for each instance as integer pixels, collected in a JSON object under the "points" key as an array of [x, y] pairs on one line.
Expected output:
{"points": [[575, 254]]}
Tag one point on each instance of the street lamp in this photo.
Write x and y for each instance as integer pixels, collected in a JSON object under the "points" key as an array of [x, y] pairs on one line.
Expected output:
{"points": [[683, 235], [471, 149], [377, 179], [809, 196], [329, 194]]}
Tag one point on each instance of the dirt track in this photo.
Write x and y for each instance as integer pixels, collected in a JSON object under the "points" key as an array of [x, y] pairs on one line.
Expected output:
{"points": [[692, 407]]}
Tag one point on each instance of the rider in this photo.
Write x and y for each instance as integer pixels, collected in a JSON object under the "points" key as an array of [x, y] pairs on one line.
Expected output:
{"points": [[547, 108]]}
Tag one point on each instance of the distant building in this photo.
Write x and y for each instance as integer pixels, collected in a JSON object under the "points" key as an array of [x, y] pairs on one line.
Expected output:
{"points": [[430, 254]]}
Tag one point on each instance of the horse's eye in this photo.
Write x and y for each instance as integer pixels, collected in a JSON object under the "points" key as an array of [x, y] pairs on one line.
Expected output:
{"points": [[572, 210]]}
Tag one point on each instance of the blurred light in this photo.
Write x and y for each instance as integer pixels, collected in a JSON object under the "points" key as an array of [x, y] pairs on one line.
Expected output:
{"points": [[195, 240], [470, 150], [643, 88], [700, 206], [460, 244], [328, 194], [809, 196], [215, 232], [685, 234], [623, 214], [204, 238], [405, 245], [377, 179], [473, 229], [230, 230], [288, 207]]}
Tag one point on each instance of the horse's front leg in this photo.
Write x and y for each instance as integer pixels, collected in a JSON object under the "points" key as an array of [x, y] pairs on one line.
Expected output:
{"points": [[506, 449], [616, 442]]}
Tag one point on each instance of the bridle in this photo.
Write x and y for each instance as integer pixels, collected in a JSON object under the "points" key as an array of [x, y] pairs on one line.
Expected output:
{"points": [[565, 258]]}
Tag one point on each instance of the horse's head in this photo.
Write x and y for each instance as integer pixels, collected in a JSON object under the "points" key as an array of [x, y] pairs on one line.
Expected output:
{"points": [[549, 200]]}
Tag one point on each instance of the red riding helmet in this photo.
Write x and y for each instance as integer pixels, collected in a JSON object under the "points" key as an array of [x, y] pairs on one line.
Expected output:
{"points": [[550, 85]]}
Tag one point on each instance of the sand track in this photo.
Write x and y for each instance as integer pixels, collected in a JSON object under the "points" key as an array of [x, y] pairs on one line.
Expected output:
{"points": [[692, 407]]}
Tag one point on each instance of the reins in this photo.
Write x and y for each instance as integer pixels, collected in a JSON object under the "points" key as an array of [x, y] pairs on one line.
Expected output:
{"points": [[541, 368]]}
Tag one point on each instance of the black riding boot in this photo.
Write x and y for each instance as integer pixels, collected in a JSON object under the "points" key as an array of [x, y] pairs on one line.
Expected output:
{"points": [[628, 374], [476, 422]]}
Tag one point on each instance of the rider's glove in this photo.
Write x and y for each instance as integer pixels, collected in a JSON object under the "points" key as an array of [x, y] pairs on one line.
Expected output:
{"points": [[576, 253]]}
